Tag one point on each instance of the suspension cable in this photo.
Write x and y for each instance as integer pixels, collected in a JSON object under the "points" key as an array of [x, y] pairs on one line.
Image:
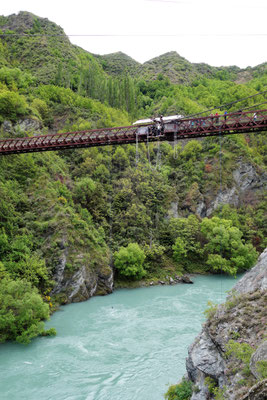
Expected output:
{"points": [[220, 204], [136, 150], [175, 145], [110, 211], [148, 152], [255, 105], [158, 158], [226, 104]]}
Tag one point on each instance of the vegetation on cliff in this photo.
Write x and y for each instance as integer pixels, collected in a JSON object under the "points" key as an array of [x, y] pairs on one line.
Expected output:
{"points": [[64, 214], [228, 358]]}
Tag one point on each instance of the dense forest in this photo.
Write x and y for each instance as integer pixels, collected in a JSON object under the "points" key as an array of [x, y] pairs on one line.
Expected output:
{"points": [[146, 213]]}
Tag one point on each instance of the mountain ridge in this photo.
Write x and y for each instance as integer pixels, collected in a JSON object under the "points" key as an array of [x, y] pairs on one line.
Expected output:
{"points": [[173, 66]]}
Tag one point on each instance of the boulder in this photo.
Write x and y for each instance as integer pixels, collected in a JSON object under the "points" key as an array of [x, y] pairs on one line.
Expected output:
{"points": [[186, 279], [255, 279], [204, 360]]}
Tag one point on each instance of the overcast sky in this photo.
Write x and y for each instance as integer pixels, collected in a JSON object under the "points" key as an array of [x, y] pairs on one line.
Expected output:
{"points": [[227, 32]]}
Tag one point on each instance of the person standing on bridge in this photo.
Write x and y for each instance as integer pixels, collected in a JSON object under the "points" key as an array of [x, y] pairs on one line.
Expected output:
{"points": [[225, 115]]}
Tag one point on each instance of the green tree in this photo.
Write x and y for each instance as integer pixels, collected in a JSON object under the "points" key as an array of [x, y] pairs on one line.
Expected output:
{"points": [[29, 267], [179, 250], [120, 159], [192, 150], [129, 261], [225, 248], [184, 235], [22, 311], [84, 191], [12, 106]]}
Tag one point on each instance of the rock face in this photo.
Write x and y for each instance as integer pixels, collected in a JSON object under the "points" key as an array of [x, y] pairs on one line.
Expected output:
{"points": [[257, 392], [83, 283], [241, 319], [246, 182], [246, 187], [256, 278], [22, 127], [259, 355]]}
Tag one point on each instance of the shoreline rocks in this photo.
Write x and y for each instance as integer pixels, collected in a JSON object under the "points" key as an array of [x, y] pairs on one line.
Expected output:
{"points": [[241, 319], [173, 281]]}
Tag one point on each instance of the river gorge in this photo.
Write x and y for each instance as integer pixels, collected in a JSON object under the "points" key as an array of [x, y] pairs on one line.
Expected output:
{"points": [[129, 345]]}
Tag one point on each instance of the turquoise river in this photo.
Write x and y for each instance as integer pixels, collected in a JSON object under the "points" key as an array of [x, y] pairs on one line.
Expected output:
{"points": [[129, 345]]}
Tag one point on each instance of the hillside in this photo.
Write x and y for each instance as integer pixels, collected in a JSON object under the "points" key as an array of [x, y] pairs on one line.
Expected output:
{"points": [[68, 218], [176, 68], [179, 70], [229, 357], [118, 64], [54, 56], [41, 47]]}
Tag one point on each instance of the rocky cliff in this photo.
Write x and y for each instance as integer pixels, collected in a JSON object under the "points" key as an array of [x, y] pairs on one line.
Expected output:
{"points": [[228, 359], [247, 185]]}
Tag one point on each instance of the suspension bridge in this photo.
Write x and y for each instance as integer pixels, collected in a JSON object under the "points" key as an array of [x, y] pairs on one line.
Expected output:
{"points": [[186, 128]]}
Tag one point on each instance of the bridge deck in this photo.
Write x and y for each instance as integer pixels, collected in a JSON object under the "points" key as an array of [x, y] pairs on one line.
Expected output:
{"points": [[234, 123]]}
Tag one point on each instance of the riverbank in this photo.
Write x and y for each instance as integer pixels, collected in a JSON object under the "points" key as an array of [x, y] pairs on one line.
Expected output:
{"points": [[121, 346], [229, 356], [168, 280]]}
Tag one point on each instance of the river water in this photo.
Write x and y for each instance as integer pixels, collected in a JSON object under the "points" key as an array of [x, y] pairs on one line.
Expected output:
{"points": [[129, 345]]}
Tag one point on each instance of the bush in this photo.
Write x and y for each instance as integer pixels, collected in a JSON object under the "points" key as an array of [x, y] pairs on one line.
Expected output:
{"points": [[129, 261], [12, 105], [241, 352], [211, 310], [182, 391], [225, 248], [179, 250], [21, 311], [262, 368]]}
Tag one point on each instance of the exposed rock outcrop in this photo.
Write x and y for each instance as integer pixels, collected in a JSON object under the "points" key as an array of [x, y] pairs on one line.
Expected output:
{"points": [[257, 392], [259, 355], [246, 183], [256, 278], [23, 127], [77, 279], [241, 319], [83, 283]]}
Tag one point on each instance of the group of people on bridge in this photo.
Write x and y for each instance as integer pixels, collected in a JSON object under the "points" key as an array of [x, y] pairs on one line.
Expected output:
{"points": [[164, 125]]}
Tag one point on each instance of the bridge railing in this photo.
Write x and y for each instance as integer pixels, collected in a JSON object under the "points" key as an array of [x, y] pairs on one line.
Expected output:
{"points": [[42, 142], [236, 122], [232, 120]]}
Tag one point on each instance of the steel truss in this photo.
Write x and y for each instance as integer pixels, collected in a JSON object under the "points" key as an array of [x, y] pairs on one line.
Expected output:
{"points": [[232, 123]]}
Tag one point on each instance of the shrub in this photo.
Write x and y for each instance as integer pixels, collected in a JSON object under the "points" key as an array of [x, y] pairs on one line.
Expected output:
{"points": [[262, 368], [179, 250], [21, 311], [129, 261], [12, 105], [211, 310], [225, 248], [182, 391], [240, 351]]}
